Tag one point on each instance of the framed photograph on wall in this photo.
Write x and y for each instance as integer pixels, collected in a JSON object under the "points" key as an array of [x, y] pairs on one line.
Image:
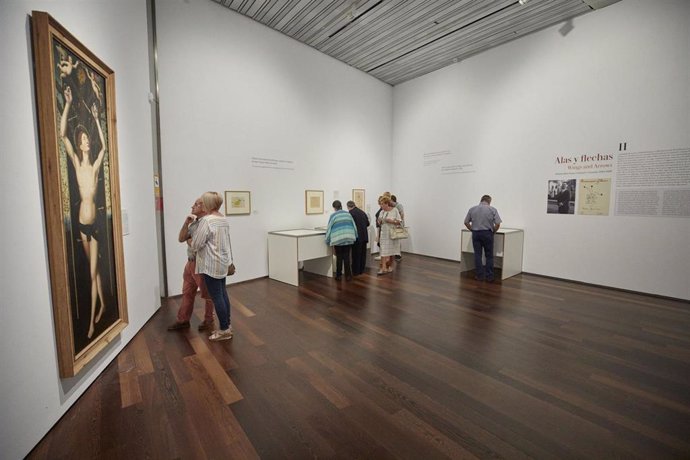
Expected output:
{"points": [[313, 201], [75, 98], [358, 197], [238, 203]]}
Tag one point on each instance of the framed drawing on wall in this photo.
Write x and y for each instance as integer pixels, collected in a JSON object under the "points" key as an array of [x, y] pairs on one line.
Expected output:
{"points": [[237, 203], [358, 197], [75, 98], [313, 201]]}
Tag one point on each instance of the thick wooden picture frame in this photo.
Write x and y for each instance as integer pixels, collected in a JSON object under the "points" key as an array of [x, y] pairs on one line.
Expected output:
{"points": [[313, 201], [358, 197], [75, 98], [238, 203]]}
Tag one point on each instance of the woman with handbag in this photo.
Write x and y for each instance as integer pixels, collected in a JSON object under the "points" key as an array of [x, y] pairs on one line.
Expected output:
{"points": [[388, 219], [211, 241]]}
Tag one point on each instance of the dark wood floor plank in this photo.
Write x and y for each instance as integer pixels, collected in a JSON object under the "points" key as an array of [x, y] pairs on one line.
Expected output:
{"points": [[220, 433], [631, 390], [130, 392], [423, 363], [518, 410], [142, 357], [588, 406], [287, 432], [468, 433], [185, 437], [349, 382], [432, 436], [240, 307], [223, 384], [320, 384]]}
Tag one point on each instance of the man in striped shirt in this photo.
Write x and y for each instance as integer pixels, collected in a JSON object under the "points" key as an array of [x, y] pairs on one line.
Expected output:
{"points": [[341, 233]]}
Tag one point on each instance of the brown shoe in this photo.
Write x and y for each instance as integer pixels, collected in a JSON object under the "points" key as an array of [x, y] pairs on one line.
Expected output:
{"points": [[206, 325], [176, 326]]}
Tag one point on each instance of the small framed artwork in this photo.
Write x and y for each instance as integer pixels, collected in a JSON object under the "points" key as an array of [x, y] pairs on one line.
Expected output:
{"points": [[75, 98], [358, 197], [313, 201], [238, 203]]}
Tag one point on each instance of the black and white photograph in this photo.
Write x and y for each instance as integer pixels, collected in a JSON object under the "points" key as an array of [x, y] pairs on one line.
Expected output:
{"points": [[561, 197]]}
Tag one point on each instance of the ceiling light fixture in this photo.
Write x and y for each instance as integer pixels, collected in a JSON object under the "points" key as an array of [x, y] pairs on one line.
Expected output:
{"points": [[522, 2]]}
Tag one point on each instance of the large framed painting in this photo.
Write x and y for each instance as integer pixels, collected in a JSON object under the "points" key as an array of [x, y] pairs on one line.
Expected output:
{"points": [[75, 98]]}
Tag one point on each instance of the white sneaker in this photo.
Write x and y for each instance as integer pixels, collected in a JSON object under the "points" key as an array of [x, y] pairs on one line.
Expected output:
{"points": [[221, 335]]}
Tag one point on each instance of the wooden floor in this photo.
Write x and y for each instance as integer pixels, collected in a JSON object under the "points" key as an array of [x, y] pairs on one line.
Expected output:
{"points": [[421, 364]]}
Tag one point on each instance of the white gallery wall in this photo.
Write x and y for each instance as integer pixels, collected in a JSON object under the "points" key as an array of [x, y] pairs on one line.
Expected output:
{"points": [[32, 395], [622, 74], [246, 108]]}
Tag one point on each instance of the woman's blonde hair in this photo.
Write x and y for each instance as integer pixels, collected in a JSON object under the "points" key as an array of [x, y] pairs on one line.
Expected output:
{"points": [[383, 199], [212, 201]]}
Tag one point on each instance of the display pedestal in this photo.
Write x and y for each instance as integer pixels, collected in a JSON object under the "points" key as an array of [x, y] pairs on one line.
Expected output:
{"points": [[508, 244], [288, 248]]}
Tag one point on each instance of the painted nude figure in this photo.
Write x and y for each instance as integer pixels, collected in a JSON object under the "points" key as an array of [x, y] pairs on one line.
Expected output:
{"points": [[87, 180]]}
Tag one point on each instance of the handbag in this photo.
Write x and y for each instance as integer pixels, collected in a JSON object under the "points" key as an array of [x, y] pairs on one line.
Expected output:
{"points": [[231, 267], [398, 233]]}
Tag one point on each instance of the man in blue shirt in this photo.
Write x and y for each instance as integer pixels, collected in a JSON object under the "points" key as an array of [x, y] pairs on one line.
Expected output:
{"points": [[483, 221]]}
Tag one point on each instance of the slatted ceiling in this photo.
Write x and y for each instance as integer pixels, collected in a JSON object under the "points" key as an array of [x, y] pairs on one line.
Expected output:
{"points": [[363, 43], [276, 10], [473, 41], [328, 22], [403, 27], [436, 55], [252, 8], [443, 51], [410, 40], [340, 22], [391, 31], [288, 15], [367, 56], [311, 17], [322, 26], [397, 40], [358, 34], [269, 12]]}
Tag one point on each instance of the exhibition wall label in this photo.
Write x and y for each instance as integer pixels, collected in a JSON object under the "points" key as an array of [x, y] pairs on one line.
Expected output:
{"points": [[446, 162], [647, 183]]}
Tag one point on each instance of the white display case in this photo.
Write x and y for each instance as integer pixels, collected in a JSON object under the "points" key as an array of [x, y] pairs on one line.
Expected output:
{"points": [[287, 249], [508, 244]]}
